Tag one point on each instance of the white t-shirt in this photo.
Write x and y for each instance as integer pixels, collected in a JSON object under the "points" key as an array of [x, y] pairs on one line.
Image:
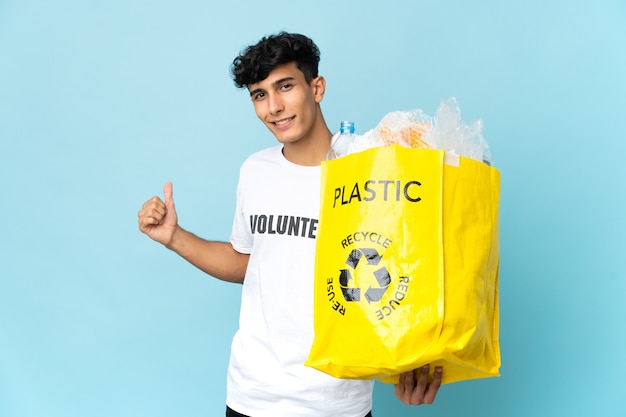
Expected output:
{"points": [[276, 223]]}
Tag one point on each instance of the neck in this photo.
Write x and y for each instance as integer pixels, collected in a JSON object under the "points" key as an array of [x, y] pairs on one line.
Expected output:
{"points": [[311, 150]]}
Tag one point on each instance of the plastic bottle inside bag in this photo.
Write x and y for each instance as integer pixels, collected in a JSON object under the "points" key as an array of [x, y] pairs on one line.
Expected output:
{"points": [[342, 140]]}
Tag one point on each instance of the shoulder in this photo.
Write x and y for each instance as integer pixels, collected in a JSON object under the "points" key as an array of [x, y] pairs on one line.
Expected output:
{"points": [[265, 156], [270, 163], [263, 163]]}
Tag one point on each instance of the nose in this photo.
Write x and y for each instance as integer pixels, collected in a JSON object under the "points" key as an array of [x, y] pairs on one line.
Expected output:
{"points": [[275, 104]]}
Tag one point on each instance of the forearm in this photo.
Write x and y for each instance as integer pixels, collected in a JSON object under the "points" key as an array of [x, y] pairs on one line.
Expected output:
{"points": [[218, 259]]}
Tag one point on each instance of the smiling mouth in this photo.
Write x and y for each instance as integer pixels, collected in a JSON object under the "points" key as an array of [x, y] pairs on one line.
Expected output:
{"points": [[283, 122]]}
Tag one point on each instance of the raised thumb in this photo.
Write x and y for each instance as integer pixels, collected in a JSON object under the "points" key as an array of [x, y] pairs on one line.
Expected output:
{"points": [[168, 194]]}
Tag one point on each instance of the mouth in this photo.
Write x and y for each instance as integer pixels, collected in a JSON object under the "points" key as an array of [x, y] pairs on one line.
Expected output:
{"points": [[282, 122]]}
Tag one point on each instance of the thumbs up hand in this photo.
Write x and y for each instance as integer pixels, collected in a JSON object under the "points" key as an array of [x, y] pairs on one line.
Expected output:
{"points": [[157, 218]]}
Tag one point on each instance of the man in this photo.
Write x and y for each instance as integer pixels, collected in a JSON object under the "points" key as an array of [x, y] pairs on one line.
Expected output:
{"points": [[266, 375]]}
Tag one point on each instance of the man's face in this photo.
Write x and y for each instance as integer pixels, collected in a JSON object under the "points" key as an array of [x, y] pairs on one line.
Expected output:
{"points": [[286, 103]]}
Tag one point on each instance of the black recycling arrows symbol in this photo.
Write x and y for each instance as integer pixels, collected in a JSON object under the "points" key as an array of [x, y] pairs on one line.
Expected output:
{"points": [[382, 276], [384, 279]]}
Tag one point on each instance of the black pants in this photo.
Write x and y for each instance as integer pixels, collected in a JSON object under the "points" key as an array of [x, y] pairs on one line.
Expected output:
{"points": [[232, 413]]}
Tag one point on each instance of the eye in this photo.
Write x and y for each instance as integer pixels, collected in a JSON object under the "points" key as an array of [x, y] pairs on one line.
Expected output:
{"points": [[258, 96], [286, 86]]}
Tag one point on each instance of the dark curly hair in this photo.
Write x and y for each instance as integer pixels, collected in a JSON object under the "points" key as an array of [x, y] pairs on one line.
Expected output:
{"points": [[256, 62]]}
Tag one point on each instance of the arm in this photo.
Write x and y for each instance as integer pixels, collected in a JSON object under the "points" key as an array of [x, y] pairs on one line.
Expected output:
{"points": [[217, 259], [417, 390], [158, 220]]}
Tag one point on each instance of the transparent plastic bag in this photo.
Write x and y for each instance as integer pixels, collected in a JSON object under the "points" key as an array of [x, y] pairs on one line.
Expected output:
{"points": [[416, 129], [452, 134]]}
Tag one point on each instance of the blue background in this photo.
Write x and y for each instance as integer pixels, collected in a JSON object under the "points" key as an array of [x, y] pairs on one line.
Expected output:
{"points": [[102, 102]]}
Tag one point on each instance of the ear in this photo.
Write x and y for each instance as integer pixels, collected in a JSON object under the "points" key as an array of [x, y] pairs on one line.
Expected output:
{"points": [[318, 84]]}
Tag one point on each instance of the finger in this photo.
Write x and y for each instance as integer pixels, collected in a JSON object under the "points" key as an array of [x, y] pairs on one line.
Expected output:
{"points": [[153, 202], [153, 207], [420, 388], [433, 387], [146, 222], [155, 211], [168, 192], [404, 387]]}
